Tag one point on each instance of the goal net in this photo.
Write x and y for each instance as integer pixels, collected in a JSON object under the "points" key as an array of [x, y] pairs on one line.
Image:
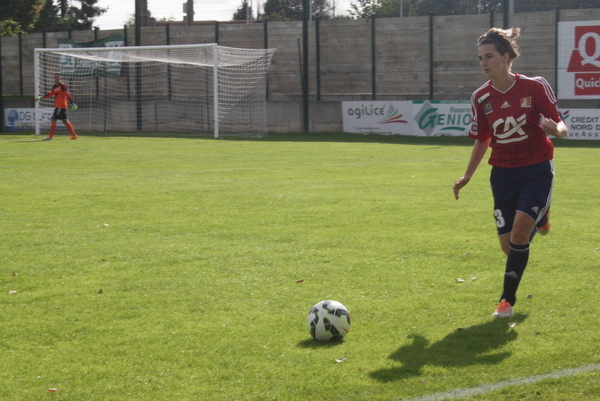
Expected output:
{"points": [[158, 90]]}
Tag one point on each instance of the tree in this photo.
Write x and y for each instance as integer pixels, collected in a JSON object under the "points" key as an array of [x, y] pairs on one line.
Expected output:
{"points": [[23, 16], [390, 8], [83, 17], [51, 19], [524, 6], [292, 10], [19, 16], [241, 13], [381, 8], [364, 9]]}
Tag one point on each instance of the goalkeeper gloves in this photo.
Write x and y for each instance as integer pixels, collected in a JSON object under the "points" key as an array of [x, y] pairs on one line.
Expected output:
{"points": [[38, 98], [74, 107]]}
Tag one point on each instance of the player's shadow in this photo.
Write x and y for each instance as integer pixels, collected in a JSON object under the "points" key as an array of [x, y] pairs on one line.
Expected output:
{"points": [[479, 344]]}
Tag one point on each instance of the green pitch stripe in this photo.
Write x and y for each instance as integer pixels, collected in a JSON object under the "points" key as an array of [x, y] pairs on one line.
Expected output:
{"points": [[488, 388]]}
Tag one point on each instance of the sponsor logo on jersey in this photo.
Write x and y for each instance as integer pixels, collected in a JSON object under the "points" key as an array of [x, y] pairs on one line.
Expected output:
{"points": [[510, 130], [526, 101], [487, 107]]}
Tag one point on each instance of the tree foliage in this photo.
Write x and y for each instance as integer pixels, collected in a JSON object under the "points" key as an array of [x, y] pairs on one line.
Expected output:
{"points": [[19, 16], [83, 17], [51, 19], [23, 16], [292, 10], [241, 13], [391, 8]]}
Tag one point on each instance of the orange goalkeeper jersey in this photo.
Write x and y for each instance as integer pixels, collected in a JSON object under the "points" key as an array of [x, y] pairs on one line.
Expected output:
{"points": [[62, 96]]}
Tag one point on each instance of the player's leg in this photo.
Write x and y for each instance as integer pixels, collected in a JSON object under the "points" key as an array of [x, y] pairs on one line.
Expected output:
{"points": [[532, 207], [518, 256], [505, 243], [505, 192], [70, 128], [544, 225], [55, 117], [52, 130]]}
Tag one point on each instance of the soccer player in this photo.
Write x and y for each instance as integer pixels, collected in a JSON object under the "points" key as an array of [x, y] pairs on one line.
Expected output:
{"points": [[62, 99], [512, 114]]}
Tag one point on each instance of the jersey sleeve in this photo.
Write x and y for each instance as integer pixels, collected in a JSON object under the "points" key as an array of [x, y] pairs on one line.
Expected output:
{"points": [[68, 94], [479, 128], [548, 104]]}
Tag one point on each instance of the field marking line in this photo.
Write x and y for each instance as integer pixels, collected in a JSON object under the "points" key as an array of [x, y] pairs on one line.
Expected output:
{"points": [[487, 388]]}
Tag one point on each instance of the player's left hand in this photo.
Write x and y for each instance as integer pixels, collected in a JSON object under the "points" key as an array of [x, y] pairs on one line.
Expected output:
{"points": [[459, 184]]}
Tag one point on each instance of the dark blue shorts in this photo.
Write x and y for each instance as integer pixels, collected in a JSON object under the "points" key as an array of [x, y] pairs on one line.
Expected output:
{"points": [[525, 189], [59, 114]]}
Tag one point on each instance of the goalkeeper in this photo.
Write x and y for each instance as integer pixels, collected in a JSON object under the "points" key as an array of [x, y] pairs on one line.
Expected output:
{"points": [[62, 98]]}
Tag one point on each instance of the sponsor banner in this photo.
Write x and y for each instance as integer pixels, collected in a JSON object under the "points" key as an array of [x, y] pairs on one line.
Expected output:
{"points": [[582, 123], [421, 118], [437, 118], [378, 117], [77, 67], [23, 119], [579, 60], [440, 117]]}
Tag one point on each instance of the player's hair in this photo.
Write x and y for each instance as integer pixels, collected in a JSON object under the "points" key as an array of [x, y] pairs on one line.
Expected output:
{"points": [[503, 40]]}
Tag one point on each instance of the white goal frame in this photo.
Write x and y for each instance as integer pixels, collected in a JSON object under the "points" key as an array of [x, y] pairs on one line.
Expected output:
{"points": [[216, 93]]}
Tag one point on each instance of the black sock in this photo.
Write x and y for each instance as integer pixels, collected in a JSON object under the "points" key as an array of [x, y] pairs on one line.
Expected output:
{"points": [[515, 266]]}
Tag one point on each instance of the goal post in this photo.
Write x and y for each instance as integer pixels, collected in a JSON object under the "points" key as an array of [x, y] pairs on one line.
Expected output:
{"points": [[190, 90]]}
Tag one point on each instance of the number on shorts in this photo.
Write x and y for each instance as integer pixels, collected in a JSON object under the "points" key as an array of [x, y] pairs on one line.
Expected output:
{"points": [[500, 222]]}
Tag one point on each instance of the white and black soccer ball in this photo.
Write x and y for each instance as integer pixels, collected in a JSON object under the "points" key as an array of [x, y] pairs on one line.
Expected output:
{"points": [[328, 321]]}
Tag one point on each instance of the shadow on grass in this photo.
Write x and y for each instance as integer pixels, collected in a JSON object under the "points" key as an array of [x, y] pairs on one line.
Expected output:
{"points": [[314, 344], [476, 345]]}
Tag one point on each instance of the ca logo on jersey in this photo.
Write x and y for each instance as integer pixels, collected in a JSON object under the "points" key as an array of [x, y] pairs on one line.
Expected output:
{"points": [[510, 129]]}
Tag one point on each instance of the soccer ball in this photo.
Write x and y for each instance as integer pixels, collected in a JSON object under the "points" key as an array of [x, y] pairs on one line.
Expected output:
{"points": [[328, 321]]}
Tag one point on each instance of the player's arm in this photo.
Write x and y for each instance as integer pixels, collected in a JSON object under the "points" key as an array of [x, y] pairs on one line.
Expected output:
{"points": [[552, 123], [479, 149], [557, 129], [44, 96], [69, 97], [68, 93]]}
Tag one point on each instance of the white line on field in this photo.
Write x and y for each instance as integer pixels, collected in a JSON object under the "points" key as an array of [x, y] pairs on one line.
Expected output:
{"points": [[487, 388]]}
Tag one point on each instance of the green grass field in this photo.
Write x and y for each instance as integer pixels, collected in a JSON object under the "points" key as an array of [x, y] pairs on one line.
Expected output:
{"points": [[183, 269]]}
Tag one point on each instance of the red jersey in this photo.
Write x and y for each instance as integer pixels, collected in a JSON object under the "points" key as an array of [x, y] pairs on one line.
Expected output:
{"points": [[62, 96], [512, 120]]}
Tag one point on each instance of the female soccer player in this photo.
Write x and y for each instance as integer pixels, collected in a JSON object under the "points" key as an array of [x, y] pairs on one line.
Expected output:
{"points": [[507, 111], [62, 97]]}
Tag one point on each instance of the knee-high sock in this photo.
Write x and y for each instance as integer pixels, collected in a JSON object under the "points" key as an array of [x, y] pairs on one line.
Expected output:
{"points": [[515, 266], [71, 129], [52, 129]]}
